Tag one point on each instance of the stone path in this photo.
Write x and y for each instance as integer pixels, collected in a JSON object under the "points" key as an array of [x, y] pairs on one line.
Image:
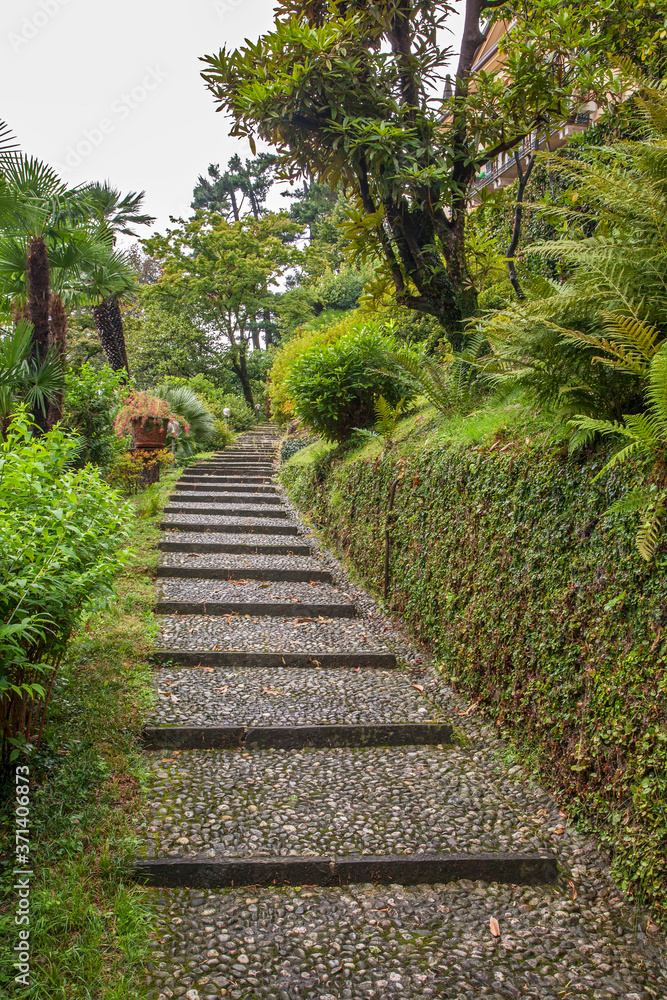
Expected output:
{"points": [[335, 839]]}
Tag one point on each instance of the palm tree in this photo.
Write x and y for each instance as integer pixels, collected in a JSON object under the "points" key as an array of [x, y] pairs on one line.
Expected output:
{"points": [[39, 215], [120, 214]]}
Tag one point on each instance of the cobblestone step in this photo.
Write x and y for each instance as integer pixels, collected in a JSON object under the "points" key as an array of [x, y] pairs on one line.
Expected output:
{"points": [[288, 696], [222, 541], [229, 525], [265, 634], [235, 567], [342, 801], [261, 489], [201, 496], [226, 508]]}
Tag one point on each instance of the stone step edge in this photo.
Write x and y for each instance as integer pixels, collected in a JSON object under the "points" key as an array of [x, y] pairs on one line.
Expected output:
{"points": [[244, 573], [225, 510], [404, 869], [246, 481], [269, 491], [277, 658], [231, 529], [259, 499], [233, 548], [296, 737], [273, 609]]}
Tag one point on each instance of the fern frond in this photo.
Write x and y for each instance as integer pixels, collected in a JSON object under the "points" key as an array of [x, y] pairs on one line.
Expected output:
{"points": [[657, 391], [637, 499], [649, 532]]}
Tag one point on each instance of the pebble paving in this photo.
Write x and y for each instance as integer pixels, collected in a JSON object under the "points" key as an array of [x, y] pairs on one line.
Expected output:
{"points": [[264, 635], [250, 591], [234, 498], [323, 802], [287, 696], [578, 938], [220, 520], [286, 542], [239, 562]]}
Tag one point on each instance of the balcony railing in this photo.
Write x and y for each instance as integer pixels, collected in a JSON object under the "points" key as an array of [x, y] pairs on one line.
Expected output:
{"points": [[506, 163]]}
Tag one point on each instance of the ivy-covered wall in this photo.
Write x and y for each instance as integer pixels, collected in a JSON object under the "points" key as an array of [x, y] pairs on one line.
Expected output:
{"points": [[537, 606]]}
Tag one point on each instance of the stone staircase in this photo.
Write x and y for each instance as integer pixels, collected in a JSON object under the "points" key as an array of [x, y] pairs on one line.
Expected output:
{"points": [[292, 758]]}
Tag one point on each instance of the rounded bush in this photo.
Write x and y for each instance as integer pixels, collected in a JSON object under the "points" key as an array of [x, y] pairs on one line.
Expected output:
{"points": [[334, 387]]}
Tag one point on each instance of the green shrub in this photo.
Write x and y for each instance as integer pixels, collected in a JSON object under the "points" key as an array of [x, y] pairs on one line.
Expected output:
{"points": [[92, 399], [242, 418], [334, 387], [60, 534]]}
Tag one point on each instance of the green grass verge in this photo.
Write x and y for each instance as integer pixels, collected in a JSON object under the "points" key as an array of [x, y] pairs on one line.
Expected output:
{"points": [[89, 924], [425, 428]]}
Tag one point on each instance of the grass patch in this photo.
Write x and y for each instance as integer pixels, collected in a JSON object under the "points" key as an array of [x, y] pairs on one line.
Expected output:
{"points": [[512, 419], [89, 924]]}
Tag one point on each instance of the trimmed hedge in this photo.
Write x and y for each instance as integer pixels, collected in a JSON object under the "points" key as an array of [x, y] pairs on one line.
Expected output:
{"points": [[537, 606]]}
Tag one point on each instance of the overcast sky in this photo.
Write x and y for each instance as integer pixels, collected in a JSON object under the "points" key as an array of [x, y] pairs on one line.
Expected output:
{"points": [[111, 90]]}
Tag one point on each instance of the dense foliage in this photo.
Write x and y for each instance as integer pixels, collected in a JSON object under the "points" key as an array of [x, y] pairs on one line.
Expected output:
{"points": [[537, 605], [335, 386], [60, 534]]}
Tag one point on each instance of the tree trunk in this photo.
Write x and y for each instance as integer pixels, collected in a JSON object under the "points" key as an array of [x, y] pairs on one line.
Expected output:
{"points": [[109, 324], [268, 332], [240, 369], [39, 301], [524, 177], [58, 343], [235, 207]]}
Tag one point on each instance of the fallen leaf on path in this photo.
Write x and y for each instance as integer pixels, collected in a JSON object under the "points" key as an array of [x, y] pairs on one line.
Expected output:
{"points": [[270, 691], [494, 927], [418, 687], [574, 889], [224, 689]]}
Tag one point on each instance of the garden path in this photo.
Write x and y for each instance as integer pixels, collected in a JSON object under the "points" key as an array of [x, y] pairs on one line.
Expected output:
{"points": [[317, 830]]}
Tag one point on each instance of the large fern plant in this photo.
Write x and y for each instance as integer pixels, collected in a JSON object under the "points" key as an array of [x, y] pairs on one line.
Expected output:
{"points": [[641, 432], [612, 263]]}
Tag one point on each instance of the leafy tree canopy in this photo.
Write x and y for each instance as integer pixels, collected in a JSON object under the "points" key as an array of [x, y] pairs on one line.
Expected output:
{"points": [[220, 275], [351, 93]]}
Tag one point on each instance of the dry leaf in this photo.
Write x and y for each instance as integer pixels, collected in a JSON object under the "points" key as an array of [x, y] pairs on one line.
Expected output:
{"points": [[418, 687], [207, 670], [574, 889], [494, 927], [270, 691], [224, 689], [559, 830], [314, 583]]}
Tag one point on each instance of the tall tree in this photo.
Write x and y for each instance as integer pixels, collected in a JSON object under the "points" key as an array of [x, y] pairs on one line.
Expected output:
{"points": [[219, 273], [226, 193], [350, 92], [121, 214]]}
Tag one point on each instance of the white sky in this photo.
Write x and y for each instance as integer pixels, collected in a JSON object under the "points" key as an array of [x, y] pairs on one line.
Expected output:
{"points": [[111, 90]]}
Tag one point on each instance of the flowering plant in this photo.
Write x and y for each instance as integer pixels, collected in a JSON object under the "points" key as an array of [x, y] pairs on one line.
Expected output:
{"points": [[144, 407]]}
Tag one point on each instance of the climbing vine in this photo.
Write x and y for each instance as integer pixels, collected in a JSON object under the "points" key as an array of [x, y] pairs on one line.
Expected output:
{"points": [[538, 606]]}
